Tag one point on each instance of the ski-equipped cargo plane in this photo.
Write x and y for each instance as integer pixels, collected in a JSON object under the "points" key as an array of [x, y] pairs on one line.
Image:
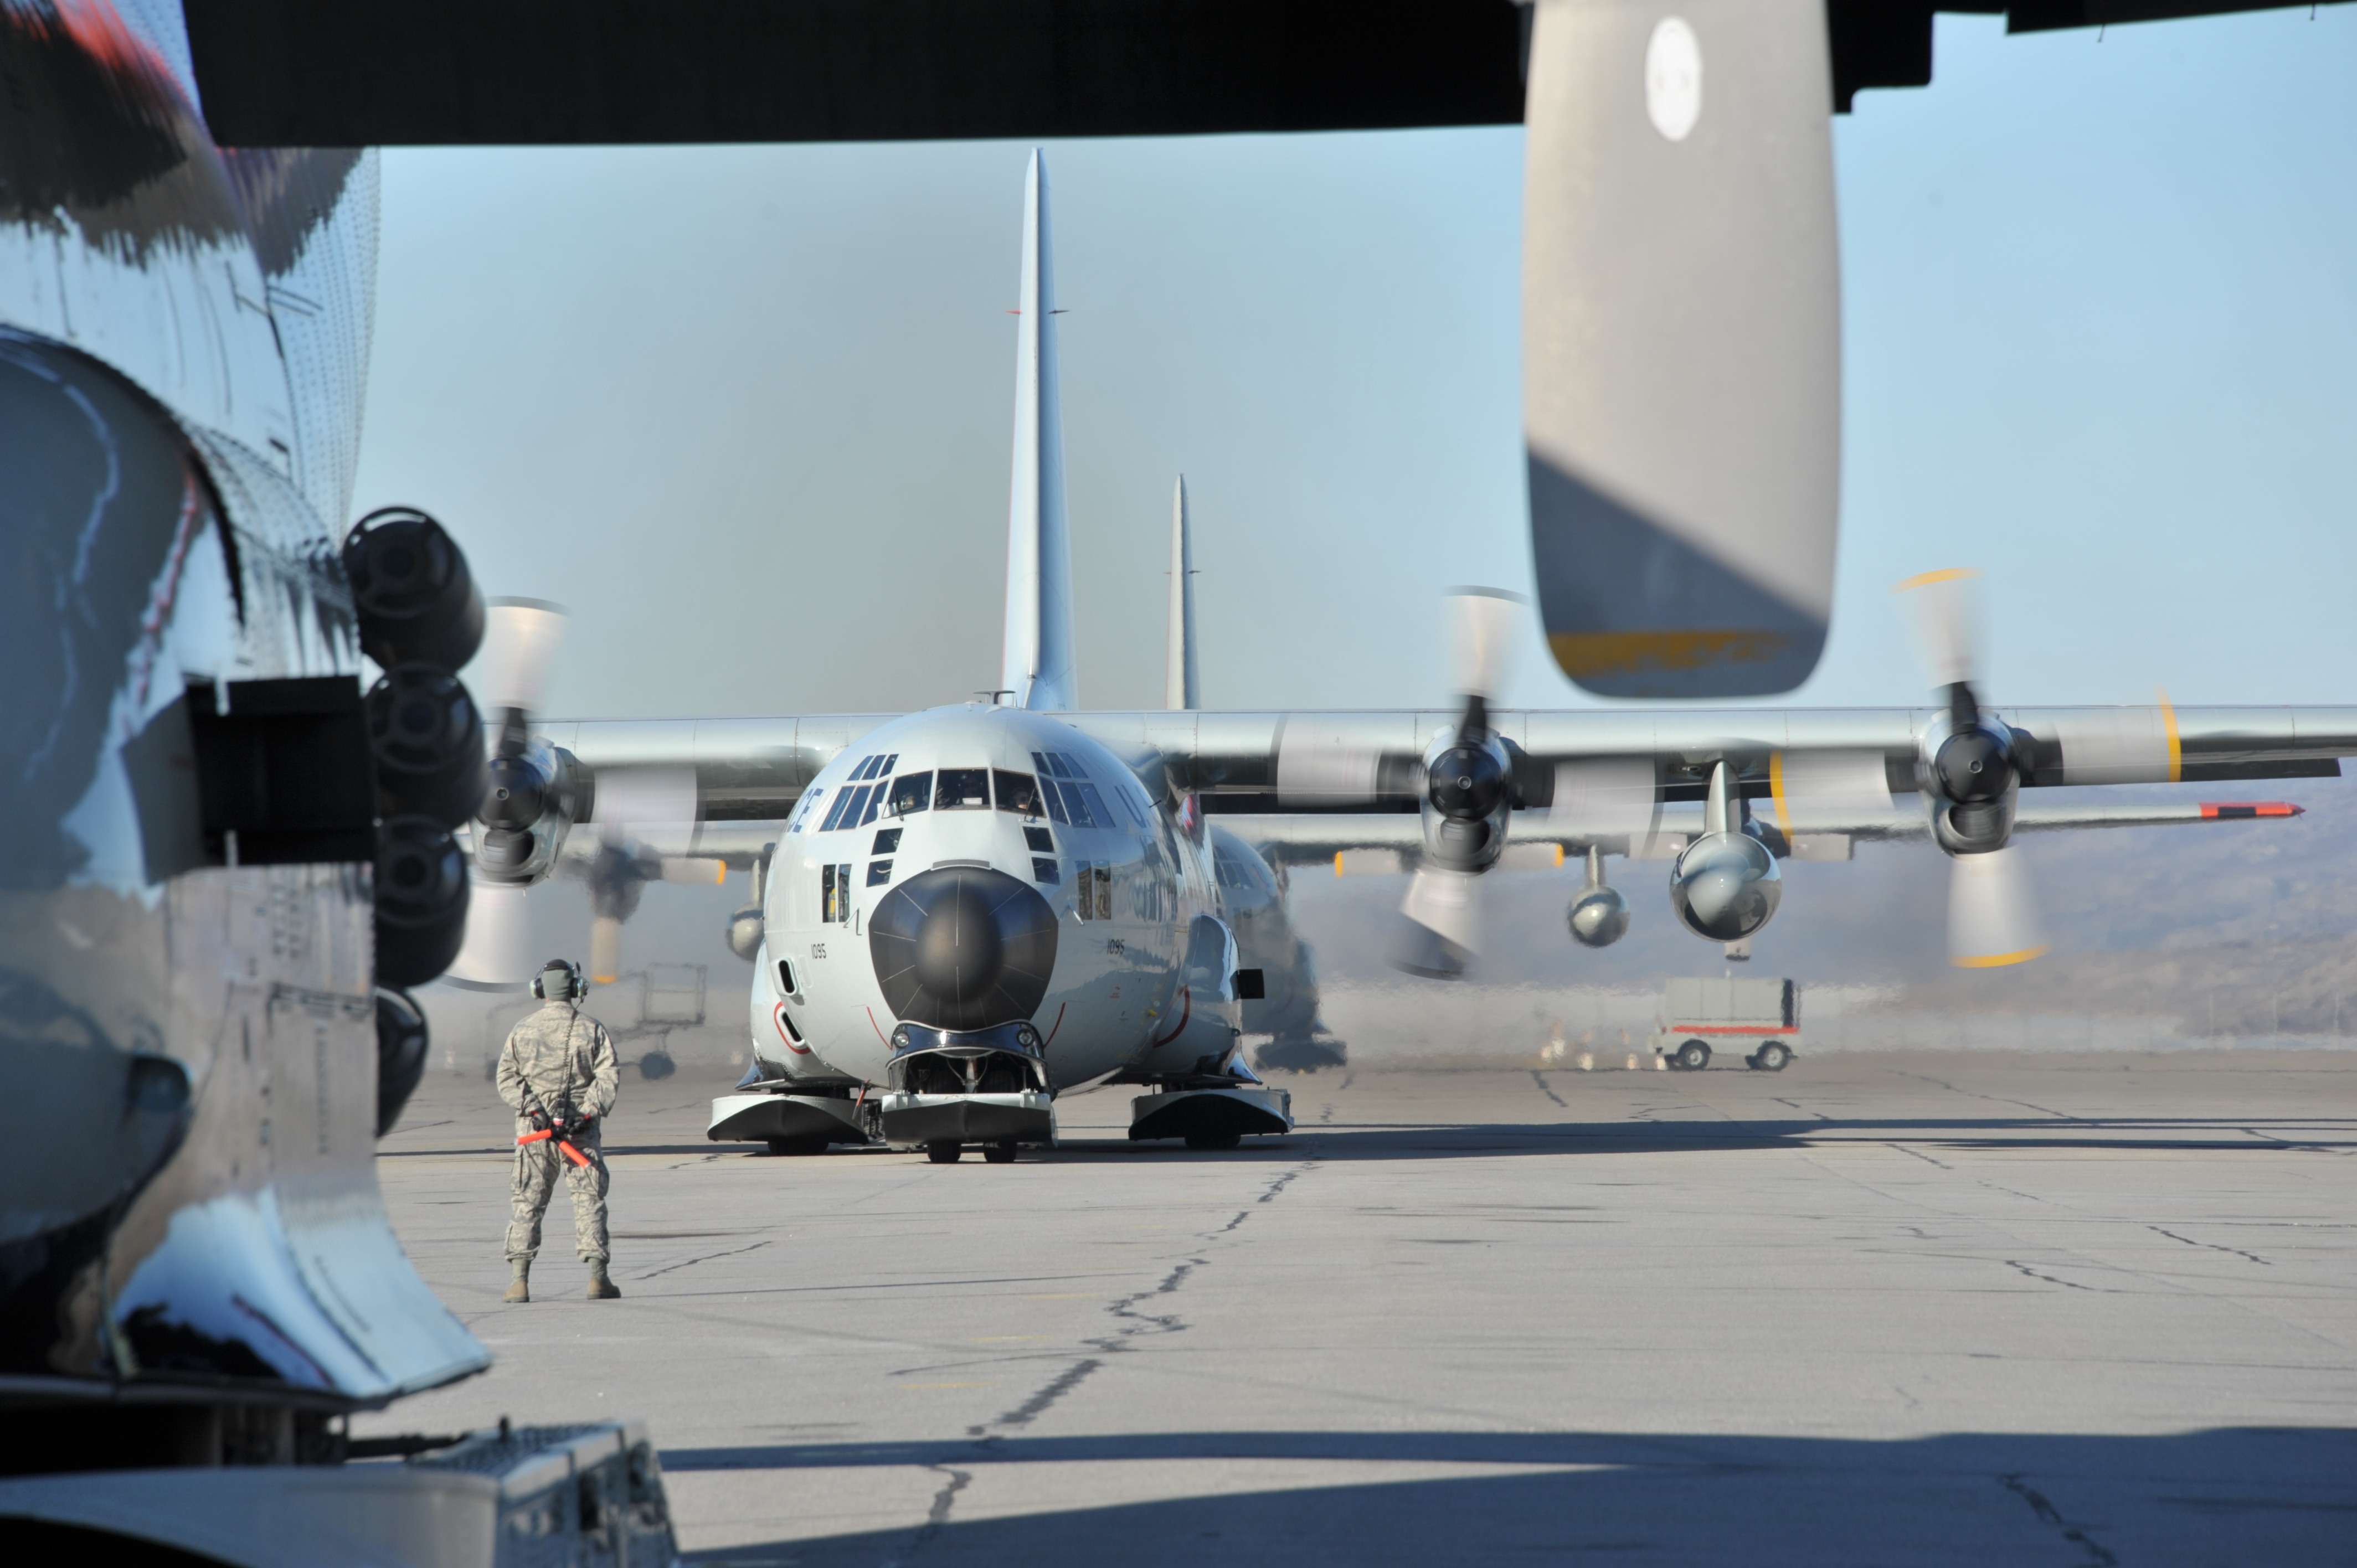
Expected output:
{"points": [[967, 910], [236, 754]]}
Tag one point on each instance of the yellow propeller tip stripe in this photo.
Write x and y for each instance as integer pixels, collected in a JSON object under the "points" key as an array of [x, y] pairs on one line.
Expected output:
{"points": [[1925, 579], [1998, 961]]}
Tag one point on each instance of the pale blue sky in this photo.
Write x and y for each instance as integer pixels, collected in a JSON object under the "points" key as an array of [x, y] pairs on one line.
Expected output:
{"points": [[746, 410]]}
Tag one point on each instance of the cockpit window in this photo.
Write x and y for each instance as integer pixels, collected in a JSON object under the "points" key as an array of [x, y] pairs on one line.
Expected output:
{"points": [[962, 787], [1054, 796], [911, 793], [849, 807], [842, 799], [1016, 791], [874, 804], [1096, 804], [1077, 805]]}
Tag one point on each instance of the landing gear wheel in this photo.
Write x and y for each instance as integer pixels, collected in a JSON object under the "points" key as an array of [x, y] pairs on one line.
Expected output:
{"points": [[1770, 1057], [945, 1154], [1214, 1139], [798, 1145], [1693, 1057], [1002, 1153]]}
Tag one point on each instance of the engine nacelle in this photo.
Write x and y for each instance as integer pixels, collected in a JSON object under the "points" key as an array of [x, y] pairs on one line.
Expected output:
{"points": [[535, 795], [1969, 770], [1725, 886], [1597, 918], [1468, 798]]}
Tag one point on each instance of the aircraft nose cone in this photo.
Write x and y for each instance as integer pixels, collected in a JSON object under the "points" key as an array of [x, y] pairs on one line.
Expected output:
{"points": [[962, 948], [960, 951]]}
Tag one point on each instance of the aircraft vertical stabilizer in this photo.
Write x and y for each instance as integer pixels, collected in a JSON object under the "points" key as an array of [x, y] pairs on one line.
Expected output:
{"points": [[1037, 668], [1180, 687]]}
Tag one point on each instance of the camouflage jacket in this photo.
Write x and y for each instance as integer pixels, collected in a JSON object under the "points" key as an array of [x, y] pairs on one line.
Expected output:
{"points": [[565, 1058]]}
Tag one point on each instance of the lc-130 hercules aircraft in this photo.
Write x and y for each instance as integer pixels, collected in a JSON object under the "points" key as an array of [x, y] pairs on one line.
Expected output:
{"points": [[970, 909]]}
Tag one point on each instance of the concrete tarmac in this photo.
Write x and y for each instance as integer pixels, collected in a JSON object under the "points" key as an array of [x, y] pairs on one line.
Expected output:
{"points": [[1968, 1308]]}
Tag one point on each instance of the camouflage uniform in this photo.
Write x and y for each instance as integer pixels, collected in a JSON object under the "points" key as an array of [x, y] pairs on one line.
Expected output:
{"points": [[567, 1059]]}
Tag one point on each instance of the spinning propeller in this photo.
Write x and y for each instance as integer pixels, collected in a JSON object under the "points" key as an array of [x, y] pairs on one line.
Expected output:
{"points": [[1467, 795], [1970, 768], [644, 816]]}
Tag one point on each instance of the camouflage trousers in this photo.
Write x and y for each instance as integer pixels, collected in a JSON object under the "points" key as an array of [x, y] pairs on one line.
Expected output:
{"points": [[536, 1167]]}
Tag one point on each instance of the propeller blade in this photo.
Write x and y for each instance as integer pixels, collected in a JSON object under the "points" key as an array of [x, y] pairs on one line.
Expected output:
{"points": [[605, 949], [1441, 928], [1682, 341], [1991, 914], [1945, 610], [1481, 624], [651, 806], [497, 955], [695, 870], [520, 641]]}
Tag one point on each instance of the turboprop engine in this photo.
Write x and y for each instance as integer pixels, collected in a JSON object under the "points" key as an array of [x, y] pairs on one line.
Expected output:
{"points": [[535, 792], [1969, 768], [1468, 795], [1725, 885]]}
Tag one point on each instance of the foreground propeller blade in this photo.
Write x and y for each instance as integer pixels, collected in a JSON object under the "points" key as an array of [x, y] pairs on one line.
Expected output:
{"points": [[1945, 610], [497, 955], [1682, 341], [1481, 624], [1441, 928], [521, 637], [1992, 915]]}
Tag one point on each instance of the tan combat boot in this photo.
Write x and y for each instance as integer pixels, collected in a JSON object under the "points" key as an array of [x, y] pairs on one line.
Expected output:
{"points": [[600, 1287], [520, 1289]]}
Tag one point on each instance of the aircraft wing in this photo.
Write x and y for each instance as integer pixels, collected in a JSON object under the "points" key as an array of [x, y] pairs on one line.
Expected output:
{"points": [[1374, 843], [1593, 774]]}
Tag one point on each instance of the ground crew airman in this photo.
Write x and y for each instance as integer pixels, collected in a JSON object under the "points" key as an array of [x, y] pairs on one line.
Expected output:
{"points": [[557, 1070]]}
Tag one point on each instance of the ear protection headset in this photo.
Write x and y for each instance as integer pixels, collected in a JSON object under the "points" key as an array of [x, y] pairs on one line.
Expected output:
{"points": [[560, 982]]}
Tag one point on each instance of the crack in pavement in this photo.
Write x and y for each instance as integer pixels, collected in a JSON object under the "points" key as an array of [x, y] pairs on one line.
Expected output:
{"points": [[1540, 1078], [2212, 1246], [937, 1517], [986, 1436], [2050, 1279], [2046, 1511], [706, 1258], [1920, 1156]]}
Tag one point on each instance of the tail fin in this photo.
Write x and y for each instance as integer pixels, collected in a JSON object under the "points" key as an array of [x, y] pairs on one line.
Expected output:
{"points": [[1180, 687], [1038, 670]]}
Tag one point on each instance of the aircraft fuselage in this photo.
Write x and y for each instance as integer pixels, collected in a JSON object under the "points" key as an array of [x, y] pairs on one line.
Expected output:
{"points": [[1127, 965]]}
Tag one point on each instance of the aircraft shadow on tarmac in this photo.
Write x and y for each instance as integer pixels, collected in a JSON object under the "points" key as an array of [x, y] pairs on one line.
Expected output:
{"points": [[2247, 1495], [1483, 1140]]}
